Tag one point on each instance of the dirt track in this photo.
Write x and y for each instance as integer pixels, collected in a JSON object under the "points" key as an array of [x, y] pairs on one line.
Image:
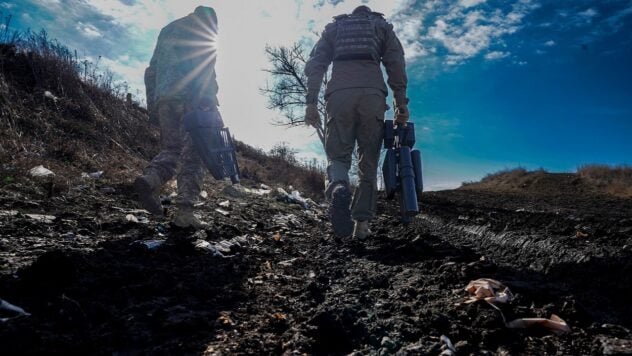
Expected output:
{"points": [[286, 287]]}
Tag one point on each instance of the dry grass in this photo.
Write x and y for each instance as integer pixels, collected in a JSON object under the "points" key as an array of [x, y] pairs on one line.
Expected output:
{"points": [[506, 179], [615, 180], [280, 167]]}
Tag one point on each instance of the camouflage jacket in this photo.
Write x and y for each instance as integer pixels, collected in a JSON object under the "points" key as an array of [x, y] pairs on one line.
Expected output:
{"points": [[358, 73], [183, 64]]}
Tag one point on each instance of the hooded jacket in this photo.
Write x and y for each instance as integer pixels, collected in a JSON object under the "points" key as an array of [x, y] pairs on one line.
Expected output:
{"points": [[183, 63]]}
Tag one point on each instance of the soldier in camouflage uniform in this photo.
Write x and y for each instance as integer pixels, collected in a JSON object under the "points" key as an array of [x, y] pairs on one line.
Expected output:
{"points": [[355, 103], [180, 78]]}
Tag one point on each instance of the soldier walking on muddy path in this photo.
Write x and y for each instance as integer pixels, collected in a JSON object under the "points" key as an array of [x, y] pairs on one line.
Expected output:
{"points": [[355, 103], [180, 78]]}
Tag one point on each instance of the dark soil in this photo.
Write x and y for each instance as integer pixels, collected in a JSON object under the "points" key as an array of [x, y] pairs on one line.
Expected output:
{"points": [[289, 287]]}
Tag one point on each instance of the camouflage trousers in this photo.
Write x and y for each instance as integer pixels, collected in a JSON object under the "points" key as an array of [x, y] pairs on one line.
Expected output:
{"points": [[177, 148], [355, 115]]}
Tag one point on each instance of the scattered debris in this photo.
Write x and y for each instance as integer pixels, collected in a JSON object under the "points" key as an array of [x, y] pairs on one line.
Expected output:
{"points": [[8, 213], [49, 95], [492, 291], [225, 319], [203, 194], [580, 234], [41, 171], [279, 317], [615, 346], [4, 305], [149, 244], [277, 236], [93, 175], [222, 211], [224, 204], [489, 290], [447, 347], [46, 219], [293, 198], [556, 325], [131, 218], [287, 263]]}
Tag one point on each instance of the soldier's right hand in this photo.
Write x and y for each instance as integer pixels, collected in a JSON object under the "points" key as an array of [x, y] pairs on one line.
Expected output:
{"points": [[401, 112], [312, 116]]}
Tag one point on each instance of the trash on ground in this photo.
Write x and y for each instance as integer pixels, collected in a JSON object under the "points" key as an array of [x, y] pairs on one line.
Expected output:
{"points": [[131, 211], [555, 324], [93, 175], [203, 194], [224, 204], [293, 198], [493, 291], [4, 305], [41, 171], [277, 236], [149, 244], [131, 218], [448, 347], [222, 211], [51, 96], [287, 263], [580, 234], [8, 212], [46, 219], [489, 290]]}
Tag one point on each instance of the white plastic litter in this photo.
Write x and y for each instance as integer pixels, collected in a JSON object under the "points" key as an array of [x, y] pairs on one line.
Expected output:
{"points": [[4, 305], [131, 218], [224, 204], [41, 171], [149, 244], [46, 219], [49, 95], [93, 175]]}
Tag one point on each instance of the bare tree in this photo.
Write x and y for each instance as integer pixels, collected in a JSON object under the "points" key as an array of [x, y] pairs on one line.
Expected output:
{"points": [[289, 86]]}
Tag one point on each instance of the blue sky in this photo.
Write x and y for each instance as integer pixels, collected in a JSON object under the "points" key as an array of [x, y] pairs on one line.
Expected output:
{"points": [[493, 84]]}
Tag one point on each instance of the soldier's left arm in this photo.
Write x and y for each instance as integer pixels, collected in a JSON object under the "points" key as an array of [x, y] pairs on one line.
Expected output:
{"points": [[319, 60]]}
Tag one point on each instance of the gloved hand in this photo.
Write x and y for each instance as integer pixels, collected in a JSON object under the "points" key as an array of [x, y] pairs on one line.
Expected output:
{"points": [[401, 111], [312, 116]]}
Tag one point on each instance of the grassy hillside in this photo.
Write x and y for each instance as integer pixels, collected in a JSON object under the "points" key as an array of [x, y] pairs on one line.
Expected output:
{"points": [[593, 179], [72, 117]]}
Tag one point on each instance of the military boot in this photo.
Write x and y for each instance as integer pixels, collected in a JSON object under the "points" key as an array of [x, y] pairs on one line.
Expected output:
{"points": [[148, 188], [340, 210], [361, 230], [184, 218]]}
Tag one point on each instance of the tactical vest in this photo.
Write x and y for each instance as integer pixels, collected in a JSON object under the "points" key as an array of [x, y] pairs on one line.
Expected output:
{"points": [[356, 38]]}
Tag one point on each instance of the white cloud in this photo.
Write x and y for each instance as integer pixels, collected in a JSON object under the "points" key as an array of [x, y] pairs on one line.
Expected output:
{"points": [[588, 13], [88, 30], [494, 55], [464, 32], [470, 3], [549, 43]]}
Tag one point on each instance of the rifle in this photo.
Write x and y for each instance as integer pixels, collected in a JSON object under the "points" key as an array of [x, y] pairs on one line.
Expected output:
{"points": [[213, 143], [402, 169]]}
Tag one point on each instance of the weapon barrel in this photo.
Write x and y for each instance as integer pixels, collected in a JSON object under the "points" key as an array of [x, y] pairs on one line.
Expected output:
{"points": [[407, 179]]}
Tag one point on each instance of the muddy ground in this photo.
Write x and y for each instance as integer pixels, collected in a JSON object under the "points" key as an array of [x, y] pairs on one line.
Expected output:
{"points": [[278, 283]]}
